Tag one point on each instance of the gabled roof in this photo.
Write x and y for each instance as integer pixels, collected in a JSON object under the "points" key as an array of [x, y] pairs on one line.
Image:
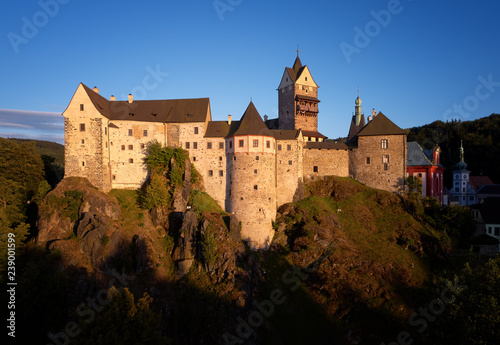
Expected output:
{"points": [[273, 123], [286, 134], [490, 189], [314, 134], [217, 129], [380, 125], [477, 181], [416, 155], [326, 145], [252, 124], [172, 110]]}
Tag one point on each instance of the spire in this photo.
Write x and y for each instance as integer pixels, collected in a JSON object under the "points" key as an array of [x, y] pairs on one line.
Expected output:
{"points": [[297, 65], [358, 112], [461, 165]]}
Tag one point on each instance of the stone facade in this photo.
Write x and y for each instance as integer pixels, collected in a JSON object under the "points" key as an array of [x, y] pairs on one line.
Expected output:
{"points": [[380, 162], [248, 168]]}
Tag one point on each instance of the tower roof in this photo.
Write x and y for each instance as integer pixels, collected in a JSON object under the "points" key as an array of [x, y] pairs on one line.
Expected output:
{"points": [[297, 65], [251, 123], [381, 125]]}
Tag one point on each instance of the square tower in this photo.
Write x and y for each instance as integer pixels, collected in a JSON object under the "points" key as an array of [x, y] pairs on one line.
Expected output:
{"points": [[298, 99]]}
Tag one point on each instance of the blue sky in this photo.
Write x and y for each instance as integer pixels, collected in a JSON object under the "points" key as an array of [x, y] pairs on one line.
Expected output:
{"points": [[416, 61]]}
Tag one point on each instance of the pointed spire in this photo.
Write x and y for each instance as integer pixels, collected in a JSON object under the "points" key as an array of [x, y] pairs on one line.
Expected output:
{"points": [[297, 65], [462, 165]]}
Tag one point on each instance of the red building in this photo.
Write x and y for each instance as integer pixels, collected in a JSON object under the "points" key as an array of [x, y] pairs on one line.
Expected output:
{"points": [[426, 165]]}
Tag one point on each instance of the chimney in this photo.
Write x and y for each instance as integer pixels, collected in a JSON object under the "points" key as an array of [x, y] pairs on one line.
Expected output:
{"points": [[374, 113], [229, 119], [96, 90], [130, 98], [266, 117], [112, 98]]}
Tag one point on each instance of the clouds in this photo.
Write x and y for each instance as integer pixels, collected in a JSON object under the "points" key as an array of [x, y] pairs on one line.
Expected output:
{"points": [[32, 125]]}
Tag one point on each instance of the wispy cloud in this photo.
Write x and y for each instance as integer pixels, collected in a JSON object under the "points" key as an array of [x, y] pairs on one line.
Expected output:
{"points": [[32, 125]]}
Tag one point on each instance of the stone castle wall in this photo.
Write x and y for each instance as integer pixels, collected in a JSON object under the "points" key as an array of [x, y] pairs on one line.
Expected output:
{"points": [[289, 167], [325, 162], [286, 103], [85, 153], [369, 164]]}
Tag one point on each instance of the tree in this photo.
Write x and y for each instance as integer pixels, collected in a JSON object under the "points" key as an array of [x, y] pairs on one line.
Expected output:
{"points": [[120, 320]]}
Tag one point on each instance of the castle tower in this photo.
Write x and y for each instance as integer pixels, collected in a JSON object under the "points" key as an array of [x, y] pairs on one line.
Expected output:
{"points": [[250, 151], [358, 119], [298, 99]]}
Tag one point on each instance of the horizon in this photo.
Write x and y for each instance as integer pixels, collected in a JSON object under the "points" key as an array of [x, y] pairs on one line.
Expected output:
{"points": [[405, 57]]}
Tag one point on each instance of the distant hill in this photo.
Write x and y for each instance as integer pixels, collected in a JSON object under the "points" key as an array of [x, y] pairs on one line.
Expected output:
{"points": [[53, 158], [480, 140]]}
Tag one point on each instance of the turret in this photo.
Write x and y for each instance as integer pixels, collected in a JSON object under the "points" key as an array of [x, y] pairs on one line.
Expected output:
{"points": [[250, 150]]}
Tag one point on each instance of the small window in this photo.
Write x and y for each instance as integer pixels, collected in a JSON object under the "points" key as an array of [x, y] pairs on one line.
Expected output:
{"points": [[268, 144], [256, 187], [114, 177], [131, 147], [123, 147], [221, 173], [196, 130], [242, 143], [386, 166], [188, 146], [471, 198], [131, 160], [463, 190], [81, 107], [497, 231], [234, 158], [83, 164], [457, 190], [255, 143], [230, 144], [210, 173], [385, 159], [143, 146], [315, 168], [289, 162], [463, 198], [279, 147], [384, 143], [83, 141], [289, 147], [367, 160], [130, 132], [220, 158], [221, 146], [195, 145], [209, 145], [105, 130], [145, 133], [82, 127], [194, 159], [306, 78], [255, 171], [257, 158]]}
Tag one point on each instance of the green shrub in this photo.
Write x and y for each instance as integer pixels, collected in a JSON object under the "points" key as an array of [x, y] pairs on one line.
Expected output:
{"points": [[157, 193]]}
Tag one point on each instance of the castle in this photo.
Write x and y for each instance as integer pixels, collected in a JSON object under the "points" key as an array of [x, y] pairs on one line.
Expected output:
{"points": [[251, 166]]}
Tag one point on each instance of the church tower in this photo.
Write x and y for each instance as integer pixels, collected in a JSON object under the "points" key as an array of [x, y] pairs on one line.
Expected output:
{"points": [[461, 185], [298, 99]]}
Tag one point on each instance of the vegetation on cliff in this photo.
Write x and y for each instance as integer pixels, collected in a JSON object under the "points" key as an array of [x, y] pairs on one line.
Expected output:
{"points": [[348, 264]]}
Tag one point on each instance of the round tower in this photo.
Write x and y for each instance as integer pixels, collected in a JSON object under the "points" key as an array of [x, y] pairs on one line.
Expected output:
{"points": [[250, 149]]}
